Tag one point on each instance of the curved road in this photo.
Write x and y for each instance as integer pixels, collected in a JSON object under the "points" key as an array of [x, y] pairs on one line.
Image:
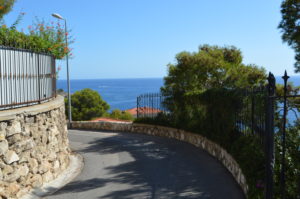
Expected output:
{"points": [[134, 166]]}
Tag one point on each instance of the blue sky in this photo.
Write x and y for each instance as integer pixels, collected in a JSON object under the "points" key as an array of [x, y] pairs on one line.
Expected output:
{"points": [[138, 38]]}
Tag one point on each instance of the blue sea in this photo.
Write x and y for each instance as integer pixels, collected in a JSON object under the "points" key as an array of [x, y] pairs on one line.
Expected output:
{"points": [[122, 93], [118, 93]]}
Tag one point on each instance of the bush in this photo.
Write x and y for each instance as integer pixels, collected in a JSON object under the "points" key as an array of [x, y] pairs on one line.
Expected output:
{"points": [[86, 104], [42, 38], [121, 115]]}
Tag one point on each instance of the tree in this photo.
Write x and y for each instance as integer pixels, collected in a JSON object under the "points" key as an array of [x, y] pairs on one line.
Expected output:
{"points": [[5, 7], [211, 67], [290, 27], [201, 80], [87, 104]]}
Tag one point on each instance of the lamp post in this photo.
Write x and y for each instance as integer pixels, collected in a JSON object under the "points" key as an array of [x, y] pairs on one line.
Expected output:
{"points": [[68, 72]]}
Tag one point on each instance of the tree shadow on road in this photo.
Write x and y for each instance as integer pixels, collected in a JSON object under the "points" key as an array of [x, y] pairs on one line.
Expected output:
{"points": [[160, 168]]}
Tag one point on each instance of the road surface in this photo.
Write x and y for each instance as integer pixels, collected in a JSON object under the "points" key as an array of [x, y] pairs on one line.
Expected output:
{"points": [[134, 166]]}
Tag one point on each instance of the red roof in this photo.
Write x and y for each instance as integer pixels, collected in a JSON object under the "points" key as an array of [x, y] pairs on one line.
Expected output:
{"points": [[143, 110], [105, 119]]}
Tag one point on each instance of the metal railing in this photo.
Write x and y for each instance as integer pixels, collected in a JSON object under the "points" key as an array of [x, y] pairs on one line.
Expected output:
{"points": [[150, 105], [26, 78]]}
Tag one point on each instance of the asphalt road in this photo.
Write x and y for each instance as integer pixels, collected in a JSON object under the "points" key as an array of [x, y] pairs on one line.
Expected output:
{"points": [[133, 166]]}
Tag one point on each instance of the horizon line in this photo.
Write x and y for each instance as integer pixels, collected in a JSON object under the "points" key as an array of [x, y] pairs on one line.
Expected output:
{"points": [[117, 78]]}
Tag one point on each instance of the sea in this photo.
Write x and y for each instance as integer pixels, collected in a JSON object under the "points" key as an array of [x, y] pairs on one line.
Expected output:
{"points": [[118, 93], [122, 93]]}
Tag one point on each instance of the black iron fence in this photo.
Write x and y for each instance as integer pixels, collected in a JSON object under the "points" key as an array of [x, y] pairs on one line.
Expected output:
{"points": [[249, 119], [150, 105], [26, 78]]}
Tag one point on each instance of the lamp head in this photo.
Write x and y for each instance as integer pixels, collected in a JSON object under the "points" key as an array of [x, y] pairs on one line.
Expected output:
{"points": [[57, 16]]}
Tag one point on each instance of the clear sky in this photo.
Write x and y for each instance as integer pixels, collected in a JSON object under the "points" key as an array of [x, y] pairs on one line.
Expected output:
{"points": [[138, 38]]}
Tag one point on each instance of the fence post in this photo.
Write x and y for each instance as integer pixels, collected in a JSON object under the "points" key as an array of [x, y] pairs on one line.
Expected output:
{"points": [[282, 172], [38, 77], [269, 137]]}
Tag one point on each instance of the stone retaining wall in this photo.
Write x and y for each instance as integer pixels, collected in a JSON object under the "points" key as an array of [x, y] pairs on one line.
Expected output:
{"points": [[199, 141], [34, 147]]}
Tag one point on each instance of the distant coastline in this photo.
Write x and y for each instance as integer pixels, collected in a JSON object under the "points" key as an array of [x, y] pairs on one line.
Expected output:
{"points": [[121, 93]]}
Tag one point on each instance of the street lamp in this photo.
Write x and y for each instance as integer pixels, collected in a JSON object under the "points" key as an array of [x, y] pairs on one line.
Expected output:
{"points": [[68, 73]]}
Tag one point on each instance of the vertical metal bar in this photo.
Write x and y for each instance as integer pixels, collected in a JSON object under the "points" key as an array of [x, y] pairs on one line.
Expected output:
{"points": [[269, 137], [1, 78], [252, 113], [38, 78], [282, 173]]}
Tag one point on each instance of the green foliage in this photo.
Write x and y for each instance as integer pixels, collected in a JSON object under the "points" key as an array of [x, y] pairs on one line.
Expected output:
{"points": [[248, 151], [5, 7], [121, 115], [289, 25], [42, 38], [292, 161], [87, 104], [210, 73]]}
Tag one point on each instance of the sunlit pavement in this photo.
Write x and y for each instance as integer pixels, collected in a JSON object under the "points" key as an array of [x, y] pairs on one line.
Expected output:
{"points": [[129, 166]]}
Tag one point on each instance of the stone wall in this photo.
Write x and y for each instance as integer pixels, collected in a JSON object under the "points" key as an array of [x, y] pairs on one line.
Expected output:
{"points": [[33, 147], [199, 141]]}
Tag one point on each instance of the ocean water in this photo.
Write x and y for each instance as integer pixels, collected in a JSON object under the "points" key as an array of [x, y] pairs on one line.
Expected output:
{"points": [[118, 93], [122, 93]]}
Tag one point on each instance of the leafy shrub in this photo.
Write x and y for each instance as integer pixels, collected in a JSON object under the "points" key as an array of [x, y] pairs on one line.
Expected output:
{"points": [[292, 161], [121, 115], [42, 38], [86, 104]]}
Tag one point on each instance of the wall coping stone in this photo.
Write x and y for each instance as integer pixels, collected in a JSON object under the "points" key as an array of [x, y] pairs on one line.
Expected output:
{"points": [[32, 110]]}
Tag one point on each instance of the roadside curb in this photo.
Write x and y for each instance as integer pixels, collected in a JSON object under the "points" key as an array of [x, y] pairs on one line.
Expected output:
{"points": [[74, 169]]}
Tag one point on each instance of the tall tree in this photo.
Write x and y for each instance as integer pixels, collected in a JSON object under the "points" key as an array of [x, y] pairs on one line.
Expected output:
{"points": [[5, 7], [290, 27], [206, 74]]}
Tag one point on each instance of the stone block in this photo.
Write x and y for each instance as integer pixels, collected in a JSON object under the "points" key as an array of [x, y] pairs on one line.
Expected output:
{"points": [[33, 165], [15, 128], [24, 157], [13, 188], [3, 126], [22, 192], [30, 120], [23, 170], [7, 170], [44, 167], [36, 181], [2, 135], [48, 176], [10, 157], [3, 147], [26, 131], [14, 139], [11, 177]]}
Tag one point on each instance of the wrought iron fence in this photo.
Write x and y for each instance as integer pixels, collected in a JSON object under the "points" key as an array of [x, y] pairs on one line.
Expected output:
{"points": [[26, 78], [249, 119], [150, 105]]}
